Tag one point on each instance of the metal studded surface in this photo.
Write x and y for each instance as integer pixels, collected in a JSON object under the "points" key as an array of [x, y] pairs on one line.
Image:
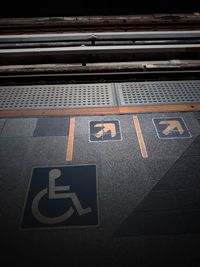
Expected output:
{"points": [[57, 96], [158, 93], [99, 95]]}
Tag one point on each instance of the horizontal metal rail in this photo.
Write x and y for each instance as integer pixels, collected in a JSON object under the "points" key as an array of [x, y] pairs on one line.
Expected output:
{"points": [[21, 45], [91, 50], [101, 67], [158, 35], [102, 74], [97, 77]]}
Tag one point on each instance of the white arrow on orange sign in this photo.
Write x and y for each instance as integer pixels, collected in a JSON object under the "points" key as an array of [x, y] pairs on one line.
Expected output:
{"points": [[106, 127], [171, 126]]}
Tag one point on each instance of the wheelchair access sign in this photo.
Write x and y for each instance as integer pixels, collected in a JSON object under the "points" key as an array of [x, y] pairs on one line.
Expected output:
{"points": [[61, 197]]}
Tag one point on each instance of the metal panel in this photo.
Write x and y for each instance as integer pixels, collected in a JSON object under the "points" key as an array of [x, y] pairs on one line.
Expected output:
{"points": [[158, 93], [88, 50], [80, 54], [99, 95], [57, 96], [100, 36]]}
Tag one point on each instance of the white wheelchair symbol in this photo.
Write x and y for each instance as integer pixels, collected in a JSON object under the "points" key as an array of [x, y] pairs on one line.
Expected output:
{"points": [[54, 193]]}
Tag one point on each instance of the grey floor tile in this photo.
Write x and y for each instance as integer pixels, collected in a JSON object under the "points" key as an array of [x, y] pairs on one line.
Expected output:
{"points": [[197, 115], [195, 176], [159, 200], [124, 167], [82, 123], [37, 245], [175, 180], [171, 207], [119, 177], [183, 175], [153, 223], [2, 123], [47, 149], [56, 126], [192, 220], [84, 148], [194, 148], [125, 181], [165, 250], [19, 127], [161, 148], [125, 150], [157, 251], [116, 206], [13, 149], [188, 199], [187, 164], [157, 168], [13, 185], [85, 151]]}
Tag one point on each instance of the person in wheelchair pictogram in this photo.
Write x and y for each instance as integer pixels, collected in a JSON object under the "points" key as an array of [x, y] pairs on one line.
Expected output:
{"points": [[54, 192]]}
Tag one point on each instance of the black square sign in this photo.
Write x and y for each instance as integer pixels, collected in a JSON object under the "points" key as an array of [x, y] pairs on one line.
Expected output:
{"points": [[105, 131], [171, 128], [61, 197]]}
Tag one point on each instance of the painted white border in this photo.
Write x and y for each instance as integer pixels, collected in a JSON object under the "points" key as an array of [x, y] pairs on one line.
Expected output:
{"points": [[106, 140], [165, 138], [57, 227]]}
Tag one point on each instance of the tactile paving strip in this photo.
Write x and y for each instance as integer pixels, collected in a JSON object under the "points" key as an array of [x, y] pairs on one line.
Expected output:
{"points": [[158, 93], [99, 95], [57, 96]]}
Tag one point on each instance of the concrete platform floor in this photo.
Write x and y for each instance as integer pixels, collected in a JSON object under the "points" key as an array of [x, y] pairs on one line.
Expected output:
{"points": [[148, 209]]}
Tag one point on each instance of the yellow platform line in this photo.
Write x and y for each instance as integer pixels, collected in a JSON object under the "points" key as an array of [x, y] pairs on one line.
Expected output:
{"points": [[97, 111], [70, 143], [140, 137]]}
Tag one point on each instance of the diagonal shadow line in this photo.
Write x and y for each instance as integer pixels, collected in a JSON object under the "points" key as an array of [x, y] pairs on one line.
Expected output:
{"points": [[136, 210]]}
